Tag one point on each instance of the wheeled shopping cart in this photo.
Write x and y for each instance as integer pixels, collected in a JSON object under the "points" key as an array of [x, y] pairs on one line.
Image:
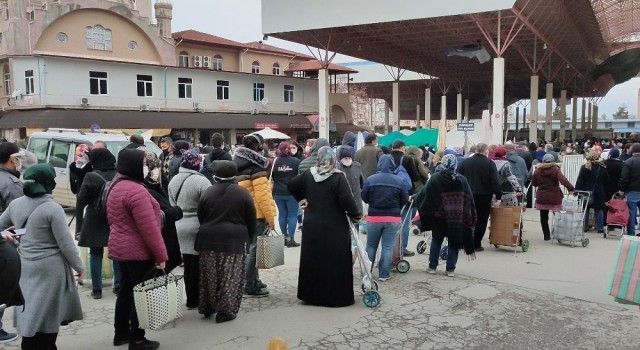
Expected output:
{"points": [[506, 227], [568, 224], [371, 297], [617, 216], [398, 261]]}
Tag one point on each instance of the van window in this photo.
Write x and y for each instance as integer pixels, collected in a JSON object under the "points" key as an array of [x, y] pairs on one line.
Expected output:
{"points": [[59, 154], [39, 147]]}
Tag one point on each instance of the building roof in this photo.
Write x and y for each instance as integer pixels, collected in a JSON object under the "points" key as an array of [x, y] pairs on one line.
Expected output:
{"points": [[316, 65], [194, 36], [260, 46]]}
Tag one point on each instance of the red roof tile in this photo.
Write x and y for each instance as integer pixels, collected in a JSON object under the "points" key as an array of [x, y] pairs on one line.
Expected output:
{"points": [[260, 46], [195, 36]]}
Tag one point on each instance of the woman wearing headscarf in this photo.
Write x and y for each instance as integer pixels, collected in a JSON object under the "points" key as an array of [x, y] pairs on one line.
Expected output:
{"points": [[285, 168], [170, 213], [593, 177], [135, 242], [48, 255], [185, 191], [313, 157], [446, 208], [91, 220], [386, 195], [326, 275], [547, 178], [416, 154], [227, 219], [511, 188]]}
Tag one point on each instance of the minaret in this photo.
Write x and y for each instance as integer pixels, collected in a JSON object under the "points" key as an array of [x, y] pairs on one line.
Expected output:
{"points": [[164, 13]]}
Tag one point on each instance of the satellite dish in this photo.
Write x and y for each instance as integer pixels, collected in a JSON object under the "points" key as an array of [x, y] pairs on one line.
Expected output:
{"points": [[264, 101]]}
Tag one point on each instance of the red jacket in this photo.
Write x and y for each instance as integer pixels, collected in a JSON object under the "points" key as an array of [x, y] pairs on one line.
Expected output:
{"points": [[134, 219], [547, 178]]}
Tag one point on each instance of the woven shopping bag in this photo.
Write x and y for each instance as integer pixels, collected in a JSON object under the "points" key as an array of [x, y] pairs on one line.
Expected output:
{"points": [[159, 301], [624, 284], [270, 250]]}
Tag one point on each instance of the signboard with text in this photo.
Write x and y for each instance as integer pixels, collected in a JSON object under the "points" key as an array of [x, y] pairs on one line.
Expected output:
{"points": [[267, 125], [466, 127]]}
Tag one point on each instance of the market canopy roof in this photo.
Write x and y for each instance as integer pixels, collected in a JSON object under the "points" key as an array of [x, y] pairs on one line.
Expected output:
{"points": [[316, 65], [388, 139], [450, 39]]}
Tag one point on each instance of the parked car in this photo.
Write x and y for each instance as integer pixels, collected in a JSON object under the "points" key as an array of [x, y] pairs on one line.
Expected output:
{"points": [[57, 147]]}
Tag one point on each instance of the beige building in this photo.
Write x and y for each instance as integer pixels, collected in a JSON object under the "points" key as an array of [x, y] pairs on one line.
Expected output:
{"points": [[83, 60]]}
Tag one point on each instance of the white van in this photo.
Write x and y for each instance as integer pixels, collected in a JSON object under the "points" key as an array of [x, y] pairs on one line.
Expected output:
{"points": [[57, 147]]}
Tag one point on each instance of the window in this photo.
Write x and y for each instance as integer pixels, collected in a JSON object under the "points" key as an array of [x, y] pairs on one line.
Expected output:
{"points": [[184, 87], [59, 154], [255, 67], [258, 92], [4, 9], [98, 38], [183, 59], [276, 69], [28, 82], [145, 85], [39, 147], [217, 62], [7, 80], [298, 74], [98, 83], [631, 124], [223, 90], [288, 93], [31, 15]]}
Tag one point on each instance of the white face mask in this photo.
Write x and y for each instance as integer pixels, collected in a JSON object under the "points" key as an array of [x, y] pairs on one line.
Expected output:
{"points": [[145, 171], [294, 151], [346, 161], [155, 175]]}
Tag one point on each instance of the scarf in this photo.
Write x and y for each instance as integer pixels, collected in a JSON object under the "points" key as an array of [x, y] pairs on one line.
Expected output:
{"points": [[325, 164], [251, 156], [449, 165]]}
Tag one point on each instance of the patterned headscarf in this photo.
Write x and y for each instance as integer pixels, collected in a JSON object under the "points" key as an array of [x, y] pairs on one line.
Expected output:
{"points": [[593, 157], [326, 160], [191, 160], [152, 160], [449, 165]]}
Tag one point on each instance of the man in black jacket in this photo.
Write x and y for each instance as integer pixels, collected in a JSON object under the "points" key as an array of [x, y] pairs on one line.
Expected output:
{"points": [[630, 184], [482, 175], [397, 152], [218, 153]]}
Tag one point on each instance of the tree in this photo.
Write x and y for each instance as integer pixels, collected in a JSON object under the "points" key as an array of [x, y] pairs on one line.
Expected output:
{"points": [[621, 113]]}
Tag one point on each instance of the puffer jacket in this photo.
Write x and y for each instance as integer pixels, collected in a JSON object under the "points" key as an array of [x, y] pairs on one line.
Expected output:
{"points": [[134, 219], [384, 191], [252, 176]]}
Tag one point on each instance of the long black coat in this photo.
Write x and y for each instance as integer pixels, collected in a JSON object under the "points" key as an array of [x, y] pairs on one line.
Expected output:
{"points": [[326, 275], [92, 226], [614, 170], [10, 293], [169, 232], [594, 180]]}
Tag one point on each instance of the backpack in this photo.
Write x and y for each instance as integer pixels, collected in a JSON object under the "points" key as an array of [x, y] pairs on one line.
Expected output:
{"points": [[101, 204], [404, 176]]}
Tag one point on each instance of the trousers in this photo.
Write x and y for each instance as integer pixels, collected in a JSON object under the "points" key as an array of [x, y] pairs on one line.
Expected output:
{"points": [[483, 210]]}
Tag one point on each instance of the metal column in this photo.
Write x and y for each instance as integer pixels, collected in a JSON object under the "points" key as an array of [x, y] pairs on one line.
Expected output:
{"points": [[386, 117], [533, 114], [466, 110], [548, 117], [459, 108], [563, 114], [417, 117], [427, 107], [498, 101], [583, 121], [589, 115], [594, 119], [574, 118], [442, 126]]}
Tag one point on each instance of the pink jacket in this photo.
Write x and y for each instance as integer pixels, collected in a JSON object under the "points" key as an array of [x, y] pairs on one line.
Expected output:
{"points": [[134, 219]]}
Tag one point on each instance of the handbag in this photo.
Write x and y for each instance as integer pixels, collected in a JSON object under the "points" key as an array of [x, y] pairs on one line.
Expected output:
{"points": [[624, 284], [269, 250], [159, 300]]}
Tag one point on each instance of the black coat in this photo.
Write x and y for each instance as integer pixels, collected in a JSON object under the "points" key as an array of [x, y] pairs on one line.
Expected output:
{"points": [[285, 169], [10, 293], [92, 226], [227, 218], [326, 274], [169, 232], [76, 176], [482, 175], [216, 154], [614, 170], [594, 180]]}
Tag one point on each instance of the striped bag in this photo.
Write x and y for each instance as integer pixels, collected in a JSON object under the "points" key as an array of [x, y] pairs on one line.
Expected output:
{"points": [[624, 284]]}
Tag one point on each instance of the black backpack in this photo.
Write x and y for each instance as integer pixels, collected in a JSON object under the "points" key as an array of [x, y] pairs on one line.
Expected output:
{"points": [[101, 204]]}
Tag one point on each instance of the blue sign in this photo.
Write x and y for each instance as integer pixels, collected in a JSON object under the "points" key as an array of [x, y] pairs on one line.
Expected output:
{"points": [[466, 127]]}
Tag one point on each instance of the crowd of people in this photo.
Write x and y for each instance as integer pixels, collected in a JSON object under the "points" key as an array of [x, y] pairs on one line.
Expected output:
{"points": [[205, 212]]}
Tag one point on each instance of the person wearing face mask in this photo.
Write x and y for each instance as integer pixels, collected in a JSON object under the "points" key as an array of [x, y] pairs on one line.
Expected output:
{"points": [[166, 144], [296, 150], [171, 213], [185, 191], [92, 226], [353, 171], [285, 168], [79, 168]]}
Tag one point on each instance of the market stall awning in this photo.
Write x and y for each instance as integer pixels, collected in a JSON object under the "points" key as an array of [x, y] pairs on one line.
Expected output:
{"points": [[110, 119]]}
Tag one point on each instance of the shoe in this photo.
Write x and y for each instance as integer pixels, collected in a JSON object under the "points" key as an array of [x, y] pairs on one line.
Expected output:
{"points": [[479, 249], [224, 317], [600, 232], [450, 274], [120, 340], [144, 344], [293, 243], [96, 295], [207, 316], [432, 271], [263, 292], [7, 337], [547, 238], [383, 279], [261, 285], [408, 253]]}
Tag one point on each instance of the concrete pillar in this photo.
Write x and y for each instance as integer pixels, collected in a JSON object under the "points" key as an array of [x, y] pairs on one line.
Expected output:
{"points": [[583, 120], [442, 126], [498, 101], [533, 115], [563, 114], [323, 103], [233, 139], [386, 117], [517, 119], [638, 105], [589, 115], [427, 107], [525, 125], [466, 110], [417, 117], [594, 119], [395, 107], [548, 117], [459, 108], [574, 118]]}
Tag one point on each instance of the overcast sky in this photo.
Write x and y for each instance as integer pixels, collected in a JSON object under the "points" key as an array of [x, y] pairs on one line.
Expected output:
{"points": [[240, 20]]}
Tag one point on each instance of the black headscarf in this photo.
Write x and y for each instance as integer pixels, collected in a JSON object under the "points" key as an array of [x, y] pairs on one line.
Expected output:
{"points": [[130, 164], [102, 159]]}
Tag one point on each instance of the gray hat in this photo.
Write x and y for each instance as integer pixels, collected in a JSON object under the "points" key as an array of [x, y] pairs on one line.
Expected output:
{"points": [[224, 170], [548, 158]]}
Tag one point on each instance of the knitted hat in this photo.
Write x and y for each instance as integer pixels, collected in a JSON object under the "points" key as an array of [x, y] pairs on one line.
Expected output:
{"points": [[39, 180], [614, 153], [102, 159], [548, 158], [345, 152], [191, 160], [224, 170]]}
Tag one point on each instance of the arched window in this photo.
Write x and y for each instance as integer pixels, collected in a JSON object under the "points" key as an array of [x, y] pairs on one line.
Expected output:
{"points": [[255, 67], [217, 62], [6, 77], [98, 38], [183, 59], [276, 69]]}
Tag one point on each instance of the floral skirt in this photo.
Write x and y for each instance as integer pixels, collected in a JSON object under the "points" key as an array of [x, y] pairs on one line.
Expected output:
{"points": [[222, 280]]}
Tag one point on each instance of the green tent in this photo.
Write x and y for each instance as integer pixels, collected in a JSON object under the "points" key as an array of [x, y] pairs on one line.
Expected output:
{"points": [[422, 137], [388, 139]]}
